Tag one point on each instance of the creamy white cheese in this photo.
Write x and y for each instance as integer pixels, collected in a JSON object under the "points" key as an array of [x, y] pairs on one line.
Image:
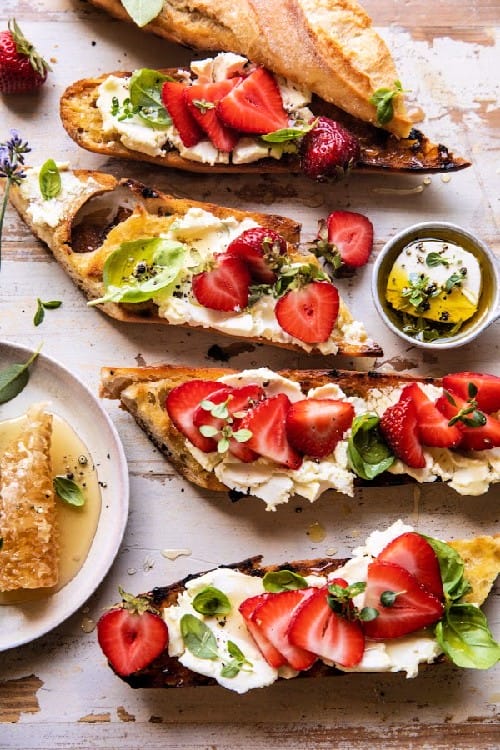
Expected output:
{"points": [[396, 655], [50, 212]]}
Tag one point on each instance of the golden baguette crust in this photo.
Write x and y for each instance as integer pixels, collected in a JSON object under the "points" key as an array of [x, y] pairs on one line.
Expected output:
{"points": [[142, 392], [328, 46], [380, 151], [85, 267], [481, 557]]}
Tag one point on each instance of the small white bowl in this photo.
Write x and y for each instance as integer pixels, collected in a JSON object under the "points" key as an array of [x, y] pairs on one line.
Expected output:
{"points": [[489, 305]]}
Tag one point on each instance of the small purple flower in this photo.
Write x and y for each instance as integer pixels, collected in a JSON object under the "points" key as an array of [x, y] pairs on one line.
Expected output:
{"points": [[11, 162]]}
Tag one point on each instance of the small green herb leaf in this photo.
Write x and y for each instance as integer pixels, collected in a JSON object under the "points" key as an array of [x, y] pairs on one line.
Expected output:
{"points": [[455, 280], [49, 180], [52, 304], [465, 637], [145, 97], [452, 570], [283, 580], [388, 598], [367, 452], [436, 259], [237, 663], [208, 431], [383, 100], [288, 134], [14, 378], [198, 638], [142, 11], [68, 491], [367, 614], [203, 105], [39, 314], [242, 436], [211, 601]]}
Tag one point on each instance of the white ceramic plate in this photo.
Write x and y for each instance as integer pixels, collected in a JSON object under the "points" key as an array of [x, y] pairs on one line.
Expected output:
{"points": [[70, 399]]}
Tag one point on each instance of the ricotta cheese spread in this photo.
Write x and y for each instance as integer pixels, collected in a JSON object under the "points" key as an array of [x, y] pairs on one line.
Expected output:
{"points": [[467, 474], [156, 140], [402, 654]]}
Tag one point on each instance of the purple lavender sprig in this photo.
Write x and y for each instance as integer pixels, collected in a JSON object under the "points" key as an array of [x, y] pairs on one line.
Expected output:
{"points": [[11, 167]]}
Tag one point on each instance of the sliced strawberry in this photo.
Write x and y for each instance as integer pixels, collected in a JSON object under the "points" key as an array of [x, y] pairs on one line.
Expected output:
{"points": [[314, 426], [225, 287], [309, 313], [239, 401], [433, 427], [399, 427], [254, 105], [202, 100], [181, 404], [131, 641], [267, 423], [172, 95], [478, 438], [413, 553], [258, 248], [273, 618], [411, 609], [352, 235], [270, 654], [488, 388], [315, 627]]}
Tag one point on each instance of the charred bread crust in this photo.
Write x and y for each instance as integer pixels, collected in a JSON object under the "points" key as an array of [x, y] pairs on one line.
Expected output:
{"points": [[481, 557], [142, 392], [380, 151], [86, 268]]}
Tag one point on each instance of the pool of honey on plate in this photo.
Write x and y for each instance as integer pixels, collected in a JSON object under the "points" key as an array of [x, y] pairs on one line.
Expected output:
{"points": [[77, 525]]}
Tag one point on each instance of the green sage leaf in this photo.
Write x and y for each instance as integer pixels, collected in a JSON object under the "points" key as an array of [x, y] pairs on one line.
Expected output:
{"points": [[211, 601], [198, 638], [49, 180], [465, 637], [14, 378], [367, 452], [142, 11], [68, 491], [283, 580]]}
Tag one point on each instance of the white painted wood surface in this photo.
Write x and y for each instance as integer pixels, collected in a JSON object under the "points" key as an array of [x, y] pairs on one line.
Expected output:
{"points": [[58, 692]]}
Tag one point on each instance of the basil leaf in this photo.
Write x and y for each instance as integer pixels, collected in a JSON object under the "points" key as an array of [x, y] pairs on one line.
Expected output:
{"points": [[198, 638], [142, 11], [367, 452], [52, 304], [287, 134], [451, 566], [14, 378], [465, 637], [211, 601], [383, 100], [39, 314], [145, 96], [283, 580], [49, 180], [139, 269], [68, 491]]}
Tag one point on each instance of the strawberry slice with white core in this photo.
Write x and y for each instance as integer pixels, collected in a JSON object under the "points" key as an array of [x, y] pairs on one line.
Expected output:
{"points": [[486, 433], [273, 618], [201, 100], [315, 627], [270, 654], [399, 427], [315, 426], [403, 605], [267, 423], [172, 95], [254, 105], [225, 287], [309, 313], [487, 386], [414, 553], [181, 404], [433, 427], [257, 248], [131, 640], [352, 235]]}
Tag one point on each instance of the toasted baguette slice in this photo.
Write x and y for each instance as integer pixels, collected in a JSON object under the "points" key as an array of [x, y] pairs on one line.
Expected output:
{"points": [[380, 151], [143, 391], [330, 48], [29, 554], [95, 213], [481, 557]]}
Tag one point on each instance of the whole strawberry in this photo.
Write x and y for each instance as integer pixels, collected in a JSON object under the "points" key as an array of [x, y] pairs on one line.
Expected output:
{"points": [[22, 69], [328, 150]]}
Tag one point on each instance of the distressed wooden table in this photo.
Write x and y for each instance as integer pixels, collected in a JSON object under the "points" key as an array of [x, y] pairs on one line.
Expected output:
{"points": [[57, 692]]}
